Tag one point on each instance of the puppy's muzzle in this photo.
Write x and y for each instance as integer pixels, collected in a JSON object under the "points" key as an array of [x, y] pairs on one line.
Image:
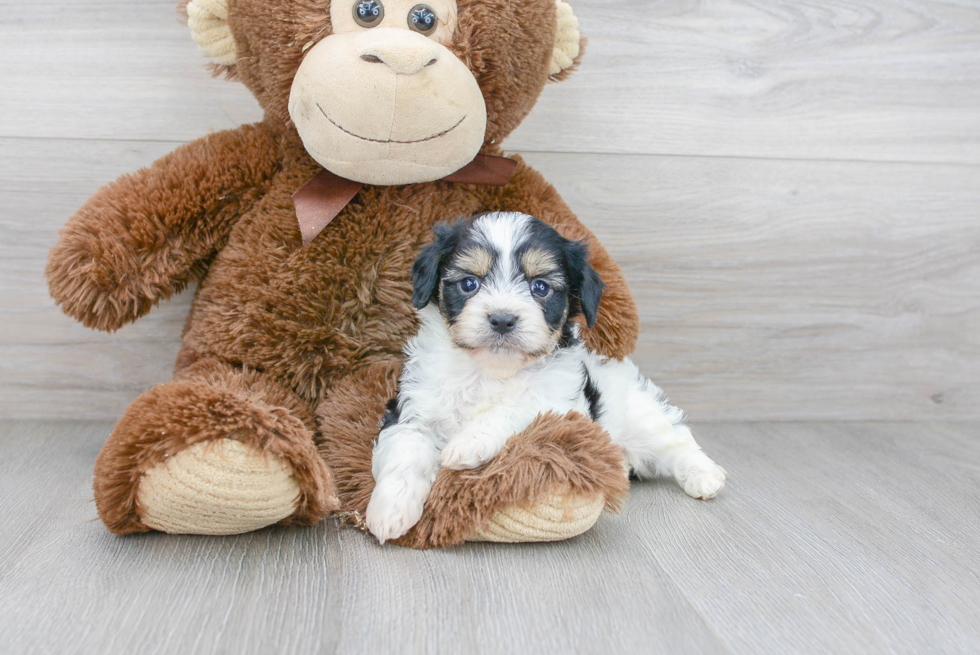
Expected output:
{"points": [[502, 323]]}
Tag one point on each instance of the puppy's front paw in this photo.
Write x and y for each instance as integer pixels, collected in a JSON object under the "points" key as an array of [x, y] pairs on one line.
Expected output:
{"points": [[468, 450], [705, 481], [393, 510]]}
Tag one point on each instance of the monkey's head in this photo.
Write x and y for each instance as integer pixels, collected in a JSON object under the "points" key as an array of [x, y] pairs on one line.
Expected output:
{"points": [[392, 91]]}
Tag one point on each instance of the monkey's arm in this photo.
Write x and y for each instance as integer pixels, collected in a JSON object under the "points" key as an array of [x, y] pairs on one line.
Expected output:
{"points": [[618, 323], [149, 234]]}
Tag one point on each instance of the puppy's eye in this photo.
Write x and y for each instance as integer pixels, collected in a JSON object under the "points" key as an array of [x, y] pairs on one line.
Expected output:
{"points": [[422, 19], [368, 13], [469, 285], [540, 288]]}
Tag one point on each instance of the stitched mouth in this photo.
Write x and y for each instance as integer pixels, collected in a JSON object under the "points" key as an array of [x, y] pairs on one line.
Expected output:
{"points": [[364, 138]]}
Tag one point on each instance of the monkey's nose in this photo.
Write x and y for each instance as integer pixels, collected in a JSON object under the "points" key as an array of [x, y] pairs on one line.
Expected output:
{"points": [[404, 63], [375, 59], [502, 323], [404, 52]]}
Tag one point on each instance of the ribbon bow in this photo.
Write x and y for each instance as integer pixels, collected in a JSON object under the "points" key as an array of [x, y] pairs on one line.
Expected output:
{"points": [[320, 200]]}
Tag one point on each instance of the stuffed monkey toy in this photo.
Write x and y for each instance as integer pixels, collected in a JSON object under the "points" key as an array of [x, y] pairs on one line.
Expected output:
{"points": [[382, 118]]}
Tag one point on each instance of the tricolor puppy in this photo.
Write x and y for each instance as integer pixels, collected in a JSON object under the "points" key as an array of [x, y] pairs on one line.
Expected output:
{"points": [[497, 346]]}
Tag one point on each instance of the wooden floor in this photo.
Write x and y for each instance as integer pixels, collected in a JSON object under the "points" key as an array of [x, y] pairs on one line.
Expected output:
{"points": [[830, 538]]}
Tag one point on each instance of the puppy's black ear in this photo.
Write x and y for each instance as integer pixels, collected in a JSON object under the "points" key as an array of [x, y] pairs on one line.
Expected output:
{"points": [[586, 285], [425, 270], [591, 294], [425, 275]]}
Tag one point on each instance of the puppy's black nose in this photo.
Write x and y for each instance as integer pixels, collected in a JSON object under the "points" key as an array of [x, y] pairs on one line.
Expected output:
{"points": [[502, 323]]}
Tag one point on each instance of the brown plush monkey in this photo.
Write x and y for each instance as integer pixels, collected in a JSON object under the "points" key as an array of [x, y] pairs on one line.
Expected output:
{"points": [[291, 351]]}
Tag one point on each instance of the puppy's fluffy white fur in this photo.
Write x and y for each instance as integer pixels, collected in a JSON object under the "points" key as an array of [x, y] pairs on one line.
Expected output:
{"points": [[466, 388]]}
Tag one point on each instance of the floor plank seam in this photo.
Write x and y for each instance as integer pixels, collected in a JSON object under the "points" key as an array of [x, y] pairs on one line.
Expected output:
{"points": [[571, 153]]}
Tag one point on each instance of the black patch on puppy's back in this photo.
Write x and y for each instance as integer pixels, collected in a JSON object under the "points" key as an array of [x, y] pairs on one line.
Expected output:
{"points": [[592, 395], [392, 414], [568, 338]]}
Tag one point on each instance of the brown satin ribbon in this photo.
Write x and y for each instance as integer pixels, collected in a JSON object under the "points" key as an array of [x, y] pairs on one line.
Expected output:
{"points": [[320, 200]]}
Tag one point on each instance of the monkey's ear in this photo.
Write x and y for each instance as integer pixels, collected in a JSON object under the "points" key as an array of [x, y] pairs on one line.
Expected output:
{"points": [[208, 20], [569, 43]]}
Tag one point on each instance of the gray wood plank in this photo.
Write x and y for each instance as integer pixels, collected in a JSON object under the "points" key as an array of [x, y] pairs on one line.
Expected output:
{"points": [[768, 290], [110, 70], [82, 591], [870, 80], [583, 596], [53, 457], [883, 80], [830, 537], [68, 586]]}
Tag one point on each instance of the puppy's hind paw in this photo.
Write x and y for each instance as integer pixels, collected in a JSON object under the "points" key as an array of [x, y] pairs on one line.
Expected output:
{"points": [[704, 483]]}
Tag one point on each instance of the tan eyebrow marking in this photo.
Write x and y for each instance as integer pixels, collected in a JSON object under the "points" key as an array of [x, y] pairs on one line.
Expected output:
{"points": [[475, 260], [536, 262]]}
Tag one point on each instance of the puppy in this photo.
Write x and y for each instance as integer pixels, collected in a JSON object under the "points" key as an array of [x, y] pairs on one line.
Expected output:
{"points": [[497, 345]]}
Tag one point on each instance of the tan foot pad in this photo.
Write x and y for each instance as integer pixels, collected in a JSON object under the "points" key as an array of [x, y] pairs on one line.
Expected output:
{"points": [[554, 518], [217, 487]]}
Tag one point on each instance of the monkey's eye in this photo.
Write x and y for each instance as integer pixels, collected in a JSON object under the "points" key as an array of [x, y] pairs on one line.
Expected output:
{"points": [[469, 285], [422, 19], [368, 13], [540, 288]]}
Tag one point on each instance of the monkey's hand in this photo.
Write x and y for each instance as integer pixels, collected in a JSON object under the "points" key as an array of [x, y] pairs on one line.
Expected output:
{"points": [[149, 234]]}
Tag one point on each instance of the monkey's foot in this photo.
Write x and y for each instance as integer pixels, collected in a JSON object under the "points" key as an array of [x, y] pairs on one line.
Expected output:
{"points": [[211, 456], [555, 517], [217, 487]]}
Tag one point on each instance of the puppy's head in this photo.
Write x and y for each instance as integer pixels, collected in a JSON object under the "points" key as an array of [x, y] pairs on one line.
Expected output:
{"points": [[507, 285]]}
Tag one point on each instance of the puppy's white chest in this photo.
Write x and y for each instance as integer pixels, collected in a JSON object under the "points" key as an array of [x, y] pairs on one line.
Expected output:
{"points": [[531, 391], [490, 395]]}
